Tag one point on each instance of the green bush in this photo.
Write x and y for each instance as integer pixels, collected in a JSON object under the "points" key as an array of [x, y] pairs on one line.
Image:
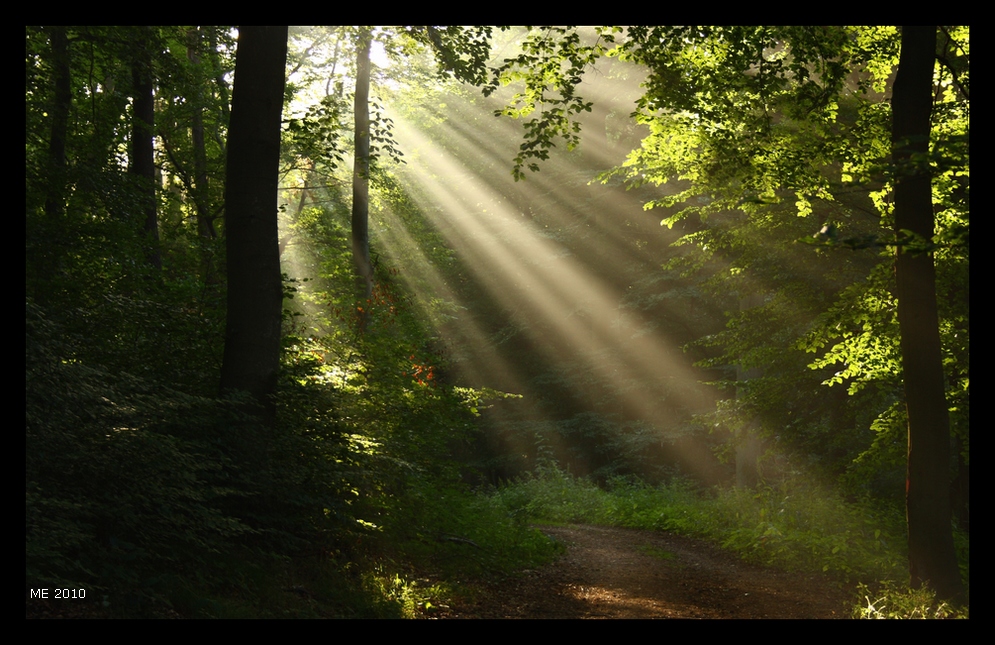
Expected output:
{"points": [[553, 496], [451, 530]]}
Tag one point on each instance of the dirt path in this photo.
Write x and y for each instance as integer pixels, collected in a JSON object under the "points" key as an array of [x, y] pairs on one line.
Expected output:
{"points": [[626, 573]]}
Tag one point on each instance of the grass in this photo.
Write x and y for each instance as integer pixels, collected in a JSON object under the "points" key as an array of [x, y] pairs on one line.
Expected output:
{"points": [[890, 600]]}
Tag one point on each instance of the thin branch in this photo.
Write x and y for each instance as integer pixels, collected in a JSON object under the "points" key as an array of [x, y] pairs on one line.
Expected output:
{"points": [[946, 62]]}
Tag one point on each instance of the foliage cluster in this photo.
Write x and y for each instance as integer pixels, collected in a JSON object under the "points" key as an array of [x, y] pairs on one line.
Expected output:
{"points": [[555, 58], [803, 112]]}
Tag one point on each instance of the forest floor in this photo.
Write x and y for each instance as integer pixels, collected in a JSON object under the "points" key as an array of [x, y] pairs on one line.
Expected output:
{"points": [[609, 572], [612, 572]]}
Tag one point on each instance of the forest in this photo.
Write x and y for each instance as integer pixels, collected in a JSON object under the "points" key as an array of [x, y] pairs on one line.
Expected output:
{"points": [[328, 322]]}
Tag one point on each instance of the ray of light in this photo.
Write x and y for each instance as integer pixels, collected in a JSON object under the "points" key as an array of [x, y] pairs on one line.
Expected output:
{"points": [[511, 237], [436, 300], [532, 276]]}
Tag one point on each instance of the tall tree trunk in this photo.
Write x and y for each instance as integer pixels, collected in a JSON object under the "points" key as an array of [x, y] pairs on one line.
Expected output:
{"points": [[142, 159], [61, 102], [47, 244], [255, 290], [201, 189], [932, 559], [361, 177], [200, 192]]}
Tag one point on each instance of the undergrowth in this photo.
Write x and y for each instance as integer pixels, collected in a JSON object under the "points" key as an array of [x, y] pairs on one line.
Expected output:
{"points": [[154, 502], [794, 526]]}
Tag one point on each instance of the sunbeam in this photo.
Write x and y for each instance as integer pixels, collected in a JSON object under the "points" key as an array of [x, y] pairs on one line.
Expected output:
{"points": [[541, 282]]}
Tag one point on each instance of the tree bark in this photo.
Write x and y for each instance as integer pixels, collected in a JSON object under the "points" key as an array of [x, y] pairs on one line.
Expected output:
{"points": [[361, 178], [255, 291], [932, 560], [142, 161], [200, 193]]}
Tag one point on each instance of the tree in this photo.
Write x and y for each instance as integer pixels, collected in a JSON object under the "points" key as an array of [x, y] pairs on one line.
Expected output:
{"points": [[460, 52], [142, 157], [200, 179], [932, 559], [255, 288], [361, 174]]}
